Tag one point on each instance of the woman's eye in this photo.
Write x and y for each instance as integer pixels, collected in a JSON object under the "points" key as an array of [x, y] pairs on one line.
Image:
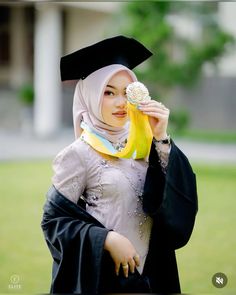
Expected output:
{"points": [[108, 93]]}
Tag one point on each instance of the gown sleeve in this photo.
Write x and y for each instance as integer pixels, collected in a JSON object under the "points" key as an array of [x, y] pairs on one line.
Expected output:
{"points": [[76, 242], [171, 198]]}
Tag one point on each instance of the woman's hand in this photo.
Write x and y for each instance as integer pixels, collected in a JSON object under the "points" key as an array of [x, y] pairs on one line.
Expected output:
{"points": [[122, 252], [158, 116]]}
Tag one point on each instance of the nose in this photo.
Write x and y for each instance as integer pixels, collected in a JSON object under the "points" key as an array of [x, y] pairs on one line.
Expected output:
{"points": [[121, 101]]}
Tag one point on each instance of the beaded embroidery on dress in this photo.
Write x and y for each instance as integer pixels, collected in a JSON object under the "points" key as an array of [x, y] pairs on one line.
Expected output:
{"points": [[112, 188]]}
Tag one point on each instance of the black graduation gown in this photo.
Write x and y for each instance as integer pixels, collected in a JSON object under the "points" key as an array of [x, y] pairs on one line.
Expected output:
{"points": [[76, 239]]}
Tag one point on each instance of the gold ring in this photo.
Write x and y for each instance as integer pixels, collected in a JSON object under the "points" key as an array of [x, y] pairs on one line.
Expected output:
{"points": [[125, 265]]}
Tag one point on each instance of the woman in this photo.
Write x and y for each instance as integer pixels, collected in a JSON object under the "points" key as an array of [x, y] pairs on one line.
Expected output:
{"points": [[112, 224]]}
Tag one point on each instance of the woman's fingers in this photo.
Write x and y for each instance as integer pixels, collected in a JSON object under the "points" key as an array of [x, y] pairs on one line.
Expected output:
{"points": [[153, 107], [137, 259], [122, 252], [158, 116], [117, 268], [152, 104], [155, 110], [125, 267], [132, 265]]}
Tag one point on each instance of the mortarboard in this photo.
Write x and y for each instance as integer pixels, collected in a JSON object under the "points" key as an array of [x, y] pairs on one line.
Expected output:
{"points": [[116, 50]]}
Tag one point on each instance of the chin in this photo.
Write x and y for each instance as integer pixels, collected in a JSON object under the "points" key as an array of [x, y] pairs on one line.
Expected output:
{"points": [[120, 123]]}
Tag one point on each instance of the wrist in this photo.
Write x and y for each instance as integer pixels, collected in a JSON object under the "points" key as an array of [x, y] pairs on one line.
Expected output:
{"points": [[165, 139], [111, 238], [160, 135], [108, 241]]}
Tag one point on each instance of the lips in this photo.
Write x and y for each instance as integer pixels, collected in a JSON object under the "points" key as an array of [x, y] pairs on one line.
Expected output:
{"points": [[120, 114]]}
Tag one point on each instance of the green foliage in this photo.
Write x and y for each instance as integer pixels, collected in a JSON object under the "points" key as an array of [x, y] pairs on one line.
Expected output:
{"points": [[179, 120], [26, 94], [178, 60]]}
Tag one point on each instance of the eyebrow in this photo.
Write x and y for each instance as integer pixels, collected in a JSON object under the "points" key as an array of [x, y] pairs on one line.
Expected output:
{"points": [[113, 87]]}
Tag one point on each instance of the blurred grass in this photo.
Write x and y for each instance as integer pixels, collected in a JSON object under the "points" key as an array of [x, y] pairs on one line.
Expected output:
{"points": [[212, 247], [206, 135], [23, 251], [22, 247]]}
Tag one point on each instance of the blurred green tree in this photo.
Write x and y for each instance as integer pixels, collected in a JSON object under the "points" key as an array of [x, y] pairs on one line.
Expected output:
{"points": [[179, 59]]}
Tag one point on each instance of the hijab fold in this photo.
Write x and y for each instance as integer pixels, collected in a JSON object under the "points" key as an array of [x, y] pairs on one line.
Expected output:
{"points": [[87, 104], [89, 123]]}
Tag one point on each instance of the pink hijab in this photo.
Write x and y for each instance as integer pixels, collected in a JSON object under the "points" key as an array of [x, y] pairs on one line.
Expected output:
{"points": [[88, 102]]}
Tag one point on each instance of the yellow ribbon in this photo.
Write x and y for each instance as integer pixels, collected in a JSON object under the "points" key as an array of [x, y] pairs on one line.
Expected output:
{"points": [[138, 142]]}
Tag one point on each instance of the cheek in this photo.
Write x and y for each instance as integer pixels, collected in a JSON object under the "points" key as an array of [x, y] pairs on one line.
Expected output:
{"points": [[106, 108]]}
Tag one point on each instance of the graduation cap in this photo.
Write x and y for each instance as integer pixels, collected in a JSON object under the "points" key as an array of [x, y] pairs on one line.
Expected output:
{"points": [[116, 50]]}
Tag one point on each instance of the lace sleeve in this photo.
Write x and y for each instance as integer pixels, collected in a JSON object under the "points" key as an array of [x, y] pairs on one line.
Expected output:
{"points": [[163, 155], [69, 173]]}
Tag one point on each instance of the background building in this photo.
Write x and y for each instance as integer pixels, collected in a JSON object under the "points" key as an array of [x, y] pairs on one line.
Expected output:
{"points": [[33, 37]]}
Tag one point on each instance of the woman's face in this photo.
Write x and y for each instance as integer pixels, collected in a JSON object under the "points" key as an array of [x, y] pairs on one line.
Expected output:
{"points": [[114, 103]]}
